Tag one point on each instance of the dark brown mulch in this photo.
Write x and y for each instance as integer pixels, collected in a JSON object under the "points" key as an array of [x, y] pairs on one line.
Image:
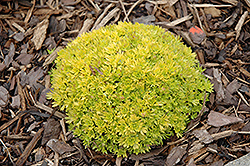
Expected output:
{"points": [[34, 133]]}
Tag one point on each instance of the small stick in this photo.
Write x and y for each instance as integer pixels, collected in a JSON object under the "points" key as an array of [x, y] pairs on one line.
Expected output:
{"points": [[22, 159], [242, 97], [233, 2], [63, 129], [247, 2], [199, 20], [46, 108], [86, 26], [27, 18], [7, 151], [245, 82], [95, 5], [240, 24], [106, 19], [236, 110], [209, 5], [169, 3], [102, 15], [124, 10], [7, 124], [132, 7], [223, 134], [175, 22], [20, 92], [17, 26]]}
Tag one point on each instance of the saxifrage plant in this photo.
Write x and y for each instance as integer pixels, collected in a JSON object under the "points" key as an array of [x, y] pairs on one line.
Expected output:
{"points": [[126, 87]]}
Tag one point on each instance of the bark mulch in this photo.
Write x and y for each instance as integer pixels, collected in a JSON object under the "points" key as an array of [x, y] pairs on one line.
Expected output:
{"points": [[31, 33]]}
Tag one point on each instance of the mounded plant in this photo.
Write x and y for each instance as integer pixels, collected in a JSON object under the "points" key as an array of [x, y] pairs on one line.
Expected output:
{"points": [[126, 87]]}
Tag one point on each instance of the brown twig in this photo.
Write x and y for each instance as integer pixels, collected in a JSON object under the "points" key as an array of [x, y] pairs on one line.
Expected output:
{"points": [[22, 159], [132, 7]]}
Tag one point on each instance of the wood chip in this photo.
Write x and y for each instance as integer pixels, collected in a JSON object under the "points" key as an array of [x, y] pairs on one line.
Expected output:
{"points": [[18, 27], [233, 86], [102, 16], [245, 72], [105, 20], [9, 58], [213, 11], [4, 96], [40, 34], [217, 119], [86, 26], [240, 24], [52, 130], [52, 56], [59, 146], [131, 9], [176, 154], [203, 136]]}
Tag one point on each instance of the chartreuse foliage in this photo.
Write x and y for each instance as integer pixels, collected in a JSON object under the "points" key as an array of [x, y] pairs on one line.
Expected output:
{"points": [[126, 87]]}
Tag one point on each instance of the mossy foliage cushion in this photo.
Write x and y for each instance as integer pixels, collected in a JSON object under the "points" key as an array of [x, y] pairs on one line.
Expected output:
{"points": [[126, 87]]}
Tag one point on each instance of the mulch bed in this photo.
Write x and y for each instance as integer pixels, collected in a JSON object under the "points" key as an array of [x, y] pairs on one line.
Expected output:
{"points": [[31, 33]]}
